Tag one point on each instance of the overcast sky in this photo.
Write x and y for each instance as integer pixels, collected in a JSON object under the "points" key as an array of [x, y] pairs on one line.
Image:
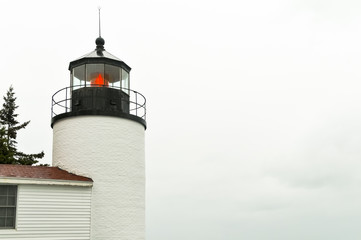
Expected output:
{"points": [[254, 107]]}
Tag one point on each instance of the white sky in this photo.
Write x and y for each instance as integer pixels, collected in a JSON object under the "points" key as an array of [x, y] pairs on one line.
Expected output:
{"points": [[254, 114]]}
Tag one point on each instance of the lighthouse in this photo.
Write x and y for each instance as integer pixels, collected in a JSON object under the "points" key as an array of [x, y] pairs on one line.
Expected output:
{"points": [[98, 126]]}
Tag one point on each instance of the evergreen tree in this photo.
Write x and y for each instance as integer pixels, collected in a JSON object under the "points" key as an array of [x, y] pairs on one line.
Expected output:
{"points": [[5, 155], [9, 127]]}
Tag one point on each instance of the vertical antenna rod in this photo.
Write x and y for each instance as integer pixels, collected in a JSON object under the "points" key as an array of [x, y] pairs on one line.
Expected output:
{"points": [[99, 22], [99, 41]]}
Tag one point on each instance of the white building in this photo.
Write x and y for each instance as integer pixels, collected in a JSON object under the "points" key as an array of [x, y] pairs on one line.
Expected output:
{"points": [[96, 187], [44, 203]]}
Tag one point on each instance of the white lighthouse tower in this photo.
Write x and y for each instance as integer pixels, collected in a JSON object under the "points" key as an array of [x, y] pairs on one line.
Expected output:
{"points": [[98, 131]]}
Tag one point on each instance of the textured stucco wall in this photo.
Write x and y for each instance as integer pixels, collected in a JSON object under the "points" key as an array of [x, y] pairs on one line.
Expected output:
{"points": [[109, 150]]}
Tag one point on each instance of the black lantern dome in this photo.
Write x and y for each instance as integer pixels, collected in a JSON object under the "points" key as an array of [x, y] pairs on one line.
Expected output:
{"points": [[99, 85]]}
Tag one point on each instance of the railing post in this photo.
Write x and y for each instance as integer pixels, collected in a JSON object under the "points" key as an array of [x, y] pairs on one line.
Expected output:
{"points": [[136, 104], [66, 100], [52, 106]]}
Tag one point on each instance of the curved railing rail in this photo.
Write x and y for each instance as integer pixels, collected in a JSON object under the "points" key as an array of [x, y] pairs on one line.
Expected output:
{"points": [[61, 101]]}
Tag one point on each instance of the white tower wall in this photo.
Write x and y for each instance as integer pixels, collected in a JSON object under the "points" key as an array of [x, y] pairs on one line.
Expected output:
{"points": [[110, 150]]}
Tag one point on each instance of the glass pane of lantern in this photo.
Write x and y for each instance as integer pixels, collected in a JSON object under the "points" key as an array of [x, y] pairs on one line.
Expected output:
{"points": [[78, 77], [95, 76], [125, 81], [112, 73]]}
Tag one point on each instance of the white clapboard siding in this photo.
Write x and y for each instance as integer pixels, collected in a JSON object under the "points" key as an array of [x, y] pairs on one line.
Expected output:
{"points": [[52, 213]]}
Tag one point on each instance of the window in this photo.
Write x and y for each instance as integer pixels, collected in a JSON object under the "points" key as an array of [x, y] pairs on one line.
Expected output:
{"points": [[95, 76], [113, 74], [99, 75], [125, 81], [78, 77], [7, 206]]}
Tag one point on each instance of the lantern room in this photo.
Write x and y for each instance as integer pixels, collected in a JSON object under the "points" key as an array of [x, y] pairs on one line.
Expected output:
{"points": [[99, 69]]}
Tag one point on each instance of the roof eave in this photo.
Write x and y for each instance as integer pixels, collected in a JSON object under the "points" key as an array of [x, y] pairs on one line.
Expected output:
{"points": [[42, 181], [89, 60]]}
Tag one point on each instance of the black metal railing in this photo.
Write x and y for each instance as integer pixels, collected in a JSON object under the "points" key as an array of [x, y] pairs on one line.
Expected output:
{"points": [[61, 101]]}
